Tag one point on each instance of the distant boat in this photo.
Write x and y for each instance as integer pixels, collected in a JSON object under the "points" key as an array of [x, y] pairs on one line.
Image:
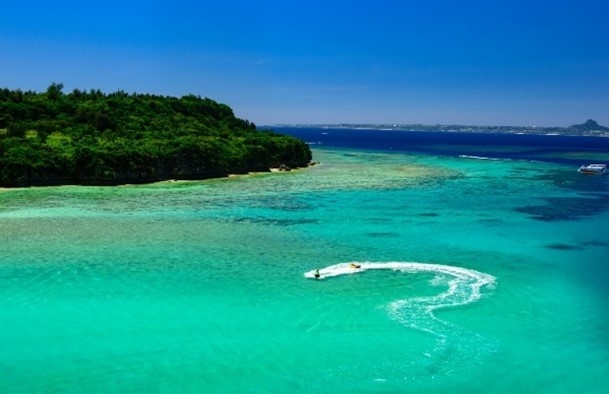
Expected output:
{"points": [[593, 169]]}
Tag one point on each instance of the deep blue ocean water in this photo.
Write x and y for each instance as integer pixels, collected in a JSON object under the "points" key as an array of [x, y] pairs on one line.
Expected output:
{"points": [[483, 268], [570, 150]]}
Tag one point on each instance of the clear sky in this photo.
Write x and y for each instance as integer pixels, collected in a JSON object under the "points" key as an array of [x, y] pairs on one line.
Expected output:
{"points": [[478, 62]]}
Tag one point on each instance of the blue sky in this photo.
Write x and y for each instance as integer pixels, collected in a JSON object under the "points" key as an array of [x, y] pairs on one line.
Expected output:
{"points": [[511, 62]]}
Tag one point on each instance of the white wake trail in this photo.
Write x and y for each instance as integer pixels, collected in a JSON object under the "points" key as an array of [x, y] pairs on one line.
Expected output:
{"points": [[464, 287]]}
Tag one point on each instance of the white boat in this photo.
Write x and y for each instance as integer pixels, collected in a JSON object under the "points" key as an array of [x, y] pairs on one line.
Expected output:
{"points": [[592, 169]]}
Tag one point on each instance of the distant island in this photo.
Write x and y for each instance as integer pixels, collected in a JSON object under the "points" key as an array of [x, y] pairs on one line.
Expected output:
{"points": [[588, 128], [92, 138]]}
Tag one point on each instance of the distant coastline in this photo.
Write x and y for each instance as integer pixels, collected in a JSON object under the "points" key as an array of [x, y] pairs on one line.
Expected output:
{"points": [[589, 128]]}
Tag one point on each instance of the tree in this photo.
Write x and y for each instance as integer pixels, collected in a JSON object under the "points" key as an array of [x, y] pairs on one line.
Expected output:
{"points": [[54, 91]]}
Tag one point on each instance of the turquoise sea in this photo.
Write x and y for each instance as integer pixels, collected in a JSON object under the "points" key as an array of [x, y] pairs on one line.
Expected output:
{"points": [[483, 269]]}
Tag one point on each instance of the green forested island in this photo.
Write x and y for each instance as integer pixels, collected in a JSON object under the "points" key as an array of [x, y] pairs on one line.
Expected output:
{"points": [[92, 138]]}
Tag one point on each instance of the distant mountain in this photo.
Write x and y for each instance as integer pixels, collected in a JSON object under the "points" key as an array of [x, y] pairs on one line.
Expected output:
{"points": [[590, 125]]}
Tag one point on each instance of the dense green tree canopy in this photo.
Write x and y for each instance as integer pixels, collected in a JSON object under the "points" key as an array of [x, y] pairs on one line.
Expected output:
{"points": [[88, 137]]}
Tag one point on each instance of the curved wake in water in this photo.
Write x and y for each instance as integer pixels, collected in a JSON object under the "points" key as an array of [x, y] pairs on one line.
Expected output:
{"points": [[463, 289], [453, 344]]}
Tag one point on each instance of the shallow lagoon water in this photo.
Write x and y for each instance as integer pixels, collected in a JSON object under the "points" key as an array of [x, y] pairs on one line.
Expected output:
{"points": [[201, 287]]}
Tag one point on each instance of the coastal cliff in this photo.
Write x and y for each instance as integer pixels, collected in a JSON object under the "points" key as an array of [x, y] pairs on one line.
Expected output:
{"points": [[92, 138]]}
